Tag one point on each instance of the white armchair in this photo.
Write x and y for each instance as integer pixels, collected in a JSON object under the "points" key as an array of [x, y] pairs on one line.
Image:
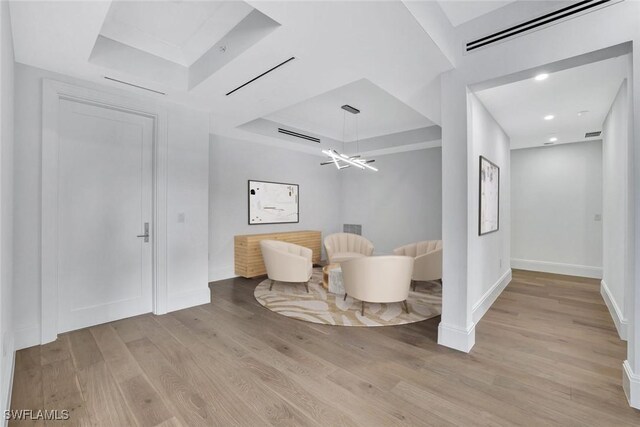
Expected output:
{"points": [[342, 247], [428, 260], [286, 262], [381, 279]]}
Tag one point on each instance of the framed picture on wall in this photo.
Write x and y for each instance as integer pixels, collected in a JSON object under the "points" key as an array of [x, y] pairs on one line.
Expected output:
{"points": [[489, 213], [273, 203]]}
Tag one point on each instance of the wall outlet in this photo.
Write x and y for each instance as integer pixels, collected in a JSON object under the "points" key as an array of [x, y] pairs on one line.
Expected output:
{"points": [[597, 217], [181, 217]]}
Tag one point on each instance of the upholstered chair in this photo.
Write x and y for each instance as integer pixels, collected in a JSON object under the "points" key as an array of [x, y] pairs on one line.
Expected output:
{"points": [[428, 260], [286, 262], [378, 279], [342, 247]]}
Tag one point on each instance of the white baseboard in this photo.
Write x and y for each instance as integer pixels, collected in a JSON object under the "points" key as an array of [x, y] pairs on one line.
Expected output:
{"points": [[487, 300], [622, 324], [188, 299], [557, 268], [26, 337], [631, 385], [457, 338], [222, 273]]}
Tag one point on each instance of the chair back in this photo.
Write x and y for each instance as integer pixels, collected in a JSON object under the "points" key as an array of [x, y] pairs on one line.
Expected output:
{"points": [[379, 278], [419, 248], [347, 242]]}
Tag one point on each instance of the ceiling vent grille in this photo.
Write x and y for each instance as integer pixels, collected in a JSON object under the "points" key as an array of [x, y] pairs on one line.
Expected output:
{"points": [[592, 134], [548, 19], [134, 85], [298, 135]]}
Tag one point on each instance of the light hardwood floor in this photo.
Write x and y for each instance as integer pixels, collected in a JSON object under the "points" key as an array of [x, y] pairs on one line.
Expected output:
{"points": [[547, 353]]}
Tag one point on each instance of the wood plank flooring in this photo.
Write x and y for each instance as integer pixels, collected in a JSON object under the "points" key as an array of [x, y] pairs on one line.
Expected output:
{"points": [[547, 353]]}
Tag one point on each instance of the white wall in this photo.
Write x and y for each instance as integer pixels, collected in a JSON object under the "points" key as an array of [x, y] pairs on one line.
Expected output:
{"points": [[6, 205], [489, 270], [187, 193], [233, 162], [617, 150], [556, 193], [399, 204]]}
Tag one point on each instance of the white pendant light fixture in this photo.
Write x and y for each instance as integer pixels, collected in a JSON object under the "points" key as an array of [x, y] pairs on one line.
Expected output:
{"points": [[343, 161]]}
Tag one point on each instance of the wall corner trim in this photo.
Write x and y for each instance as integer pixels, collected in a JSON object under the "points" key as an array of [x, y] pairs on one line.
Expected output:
{"points": [[631, 385], [457, 338], [487, 300], [622, 324]]}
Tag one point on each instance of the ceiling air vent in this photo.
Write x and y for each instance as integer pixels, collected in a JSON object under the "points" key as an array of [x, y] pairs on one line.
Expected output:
{"points": [[592, 134], [298, 135], [134, 85], [548, 19], [261, 75]]}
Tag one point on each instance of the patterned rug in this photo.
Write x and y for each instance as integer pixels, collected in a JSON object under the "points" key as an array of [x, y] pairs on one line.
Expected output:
{"points": [[320, 306]]}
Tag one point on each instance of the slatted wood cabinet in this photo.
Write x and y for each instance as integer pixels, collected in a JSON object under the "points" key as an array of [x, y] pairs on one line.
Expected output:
{"points": [[248, 256]]}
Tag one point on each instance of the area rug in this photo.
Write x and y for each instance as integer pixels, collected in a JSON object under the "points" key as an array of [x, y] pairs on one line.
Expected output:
{"points": [[320, 306]]}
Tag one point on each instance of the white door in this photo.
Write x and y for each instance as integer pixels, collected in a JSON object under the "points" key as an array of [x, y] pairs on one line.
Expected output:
{"points": [[104, 201]]}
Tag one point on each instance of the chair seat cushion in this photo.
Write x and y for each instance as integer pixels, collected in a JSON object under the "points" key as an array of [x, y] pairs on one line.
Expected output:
{"points": [[345, 256]]}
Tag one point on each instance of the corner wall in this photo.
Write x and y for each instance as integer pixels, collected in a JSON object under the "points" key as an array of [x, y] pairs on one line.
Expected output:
{"points": [[489, 269], [7, 348], [232, 163], [555, 228], [399, 204], [616, 154]]}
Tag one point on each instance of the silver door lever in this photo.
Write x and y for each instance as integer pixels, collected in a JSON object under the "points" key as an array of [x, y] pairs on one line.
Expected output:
{"points": [[146, 233]]}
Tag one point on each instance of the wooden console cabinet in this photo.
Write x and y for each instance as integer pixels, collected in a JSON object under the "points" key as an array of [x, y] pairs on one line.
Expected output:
{"points": [[248, 256]]}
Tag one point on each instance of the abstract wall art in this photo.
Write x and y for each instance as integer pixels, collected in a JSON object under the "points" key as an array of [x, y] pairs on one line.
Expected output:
{"points": [[489, 220], [273, 203]]}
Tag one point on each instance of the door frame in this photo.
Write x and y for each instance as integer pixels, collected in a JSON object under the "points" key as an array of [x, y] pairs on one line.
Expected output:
{"points": [[52, 92]]}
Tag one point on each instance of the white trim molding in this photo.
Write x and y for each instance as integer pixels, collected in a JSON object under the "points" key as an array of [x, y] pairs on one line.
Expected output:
{"points": [[52, 92], [622, 324], [487, 300], [557, 268], [457, 338], [631, 385]]}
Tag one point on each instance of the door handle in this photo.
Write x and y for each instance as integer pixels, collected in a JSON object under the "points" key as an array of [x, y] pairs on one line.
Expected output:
{"points": [[146, 233]]}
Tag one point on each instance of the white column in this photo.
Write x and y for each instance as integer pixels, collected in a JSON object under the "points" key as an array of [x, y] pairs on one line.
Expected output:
{"points": [[631, 372], [456, 328]]}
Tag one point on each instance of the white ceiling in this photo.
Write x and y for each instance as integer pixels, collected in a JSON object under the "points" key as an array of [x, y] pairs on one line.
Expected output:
{"points": [[520, 107], [178, 31], [460, 11], [335, 43], [380, 113]]}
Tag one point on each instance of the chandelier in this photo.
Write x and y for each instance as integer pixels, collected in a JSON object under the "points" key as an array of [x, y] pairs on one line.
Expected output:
{"points": [[341, 160]]}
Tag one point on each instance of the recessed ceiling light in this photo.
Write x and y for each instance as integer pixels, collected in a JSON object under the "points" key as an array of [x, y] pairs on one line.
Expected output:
{"points": [[553, 139], [549, 117], [541, 77]]}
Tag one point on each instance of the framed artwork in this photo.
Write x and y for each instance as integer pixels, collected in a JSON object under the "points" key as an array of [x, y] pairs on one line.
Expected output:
{"points": [[489, 220], [273, 203]]}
